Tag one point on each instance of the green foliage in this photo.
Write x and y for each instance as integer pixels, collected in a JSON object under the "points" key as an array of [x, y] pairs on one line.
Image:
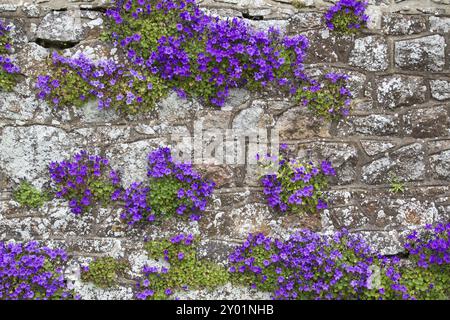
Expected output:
{"points": [[104, 272], [29, 196], [7, 81], [187, 273], [291, 182], [74, 89], [341, 20], [298, 4], [71, 86], [329, 100], [102, 190], [163, 196], [249, 278], [396, 186], [428, 284]]}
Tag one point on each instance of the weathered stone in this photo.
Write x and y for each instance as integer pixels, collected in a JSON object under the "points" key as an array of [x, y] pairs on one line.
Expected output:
{"points": [[174, 109], [370, 53], [265, 25], [298, 123], [374, 124], [236, 223], [427, 122], [249, 119], [440, 89], [348, 217], [25, 152], [130, 159], [31, 10], [374, 147], [222, 175], [440, 165], [407, 163], [343, 156], [304, 20], [398, 90], [399, 24], [325, 46], [63, 26], [422, 54], [440, 24]]}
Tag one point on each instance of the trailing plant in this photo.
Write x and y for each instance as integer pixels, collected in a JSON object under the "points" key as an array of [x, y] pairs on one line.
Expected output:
{"points": [[293, 185], [74, 81], [311, 266], [343, 266], [174, 45], [8, 70], [29, 196], [347, 16], [104, 272], [173, 189], [29, 271], [186, 271], [429, 251], [84, 181]]}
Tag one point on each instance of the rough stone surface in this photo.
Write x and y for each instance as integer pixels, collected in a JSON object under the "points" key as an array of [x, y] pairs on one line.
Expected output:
{"points": [[427, 122], [440, 89], [398, 90], [423, 54], [400, 127], [440, 164], [62, 26], [398, 24], [370, 53]]}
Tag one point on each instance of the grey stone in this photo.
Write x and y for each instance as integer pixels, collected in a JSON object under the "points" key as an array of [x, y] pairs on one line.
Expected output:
{"points": [[407, 163], [370, 53], [298, 123], [399, 90], [440, 89], [422, 54], [249, 119], [25, 152], [63, 26], [399, 24], [374, 124], [304, 20], [130, 159], [440, 165], [343, 157], [374, 147], [427, 122], [439, 24]]}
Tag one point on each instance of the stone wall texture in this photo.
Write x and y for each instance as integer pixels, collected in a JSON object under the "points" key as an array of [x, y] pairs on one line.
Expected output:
{"points": [[400, 77]]}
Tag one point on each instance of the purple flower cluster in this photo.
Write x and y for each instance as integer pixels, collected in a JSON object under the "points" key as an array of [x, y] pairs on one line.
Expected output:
{"points": [[328, 97], [347, 14], [84, 180], [208, 56], [111, 83], [308, 265], [297, 186], [6, 64], [30, 271], [431, 248], [173, 188], [137, 207]]}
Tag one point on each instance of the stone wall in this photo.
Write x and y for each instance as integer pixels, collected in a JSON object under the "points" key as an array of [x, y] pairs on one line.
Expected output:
{"points": [[400, 77]]}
